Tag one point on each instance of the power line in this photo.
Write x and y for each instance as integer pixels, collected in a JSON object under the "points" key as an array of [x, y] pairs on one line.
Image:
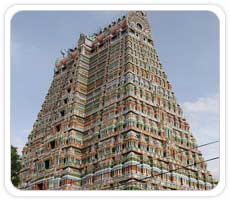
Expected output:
{"points": [[202, 145], [211, 159], [208, 143]]}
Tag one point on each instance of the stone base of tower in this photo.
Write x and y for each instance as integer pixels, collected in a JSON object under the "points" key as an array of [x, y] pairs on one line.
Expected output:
{"points": [[118, 183]]}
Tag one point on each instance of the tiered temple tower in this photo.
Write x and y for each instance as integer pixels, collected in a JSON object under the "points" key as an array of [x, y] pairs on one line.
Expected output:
{"points": [[110, 120]]}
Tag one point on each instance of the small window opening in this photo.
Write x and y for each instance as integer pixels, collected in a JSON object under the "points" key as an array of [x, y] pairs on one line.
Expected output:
{"points": [[149, 41], [66, 100], [58, 128], [62, 113], [47, 164], [52, 144], [64, 68], [139, 26], [40, 186]]}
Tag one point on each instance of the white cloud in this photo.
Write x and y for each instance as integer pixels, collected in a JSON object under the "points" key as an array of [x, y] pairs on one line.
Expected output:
{"points": [[203, 104], [203, 117]]}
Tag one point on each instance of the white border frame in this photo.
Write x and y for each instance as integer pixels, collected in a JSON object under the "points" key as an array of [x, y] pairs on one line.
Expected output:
{"points": [[212, 8]]}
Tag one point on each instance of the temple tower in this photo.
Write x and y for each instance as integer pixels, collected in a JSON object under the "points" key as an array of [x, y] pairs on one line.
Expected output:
{"points": [[110, 119]]}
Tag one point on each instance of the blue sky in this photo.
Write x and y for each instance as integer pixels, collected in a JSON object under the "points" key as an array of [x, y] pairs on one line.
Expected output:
{"points": [[187, 44]]}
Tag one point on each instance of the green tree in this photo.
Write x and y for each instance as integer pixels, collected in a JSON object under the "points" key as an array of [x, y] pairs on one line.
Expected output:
{"points": [[15, 166]]}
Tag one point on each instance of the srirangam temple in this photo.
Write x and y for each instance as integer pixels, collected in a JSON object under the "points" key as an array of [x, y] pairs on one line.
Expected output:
{"points": [[111, 121]]}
